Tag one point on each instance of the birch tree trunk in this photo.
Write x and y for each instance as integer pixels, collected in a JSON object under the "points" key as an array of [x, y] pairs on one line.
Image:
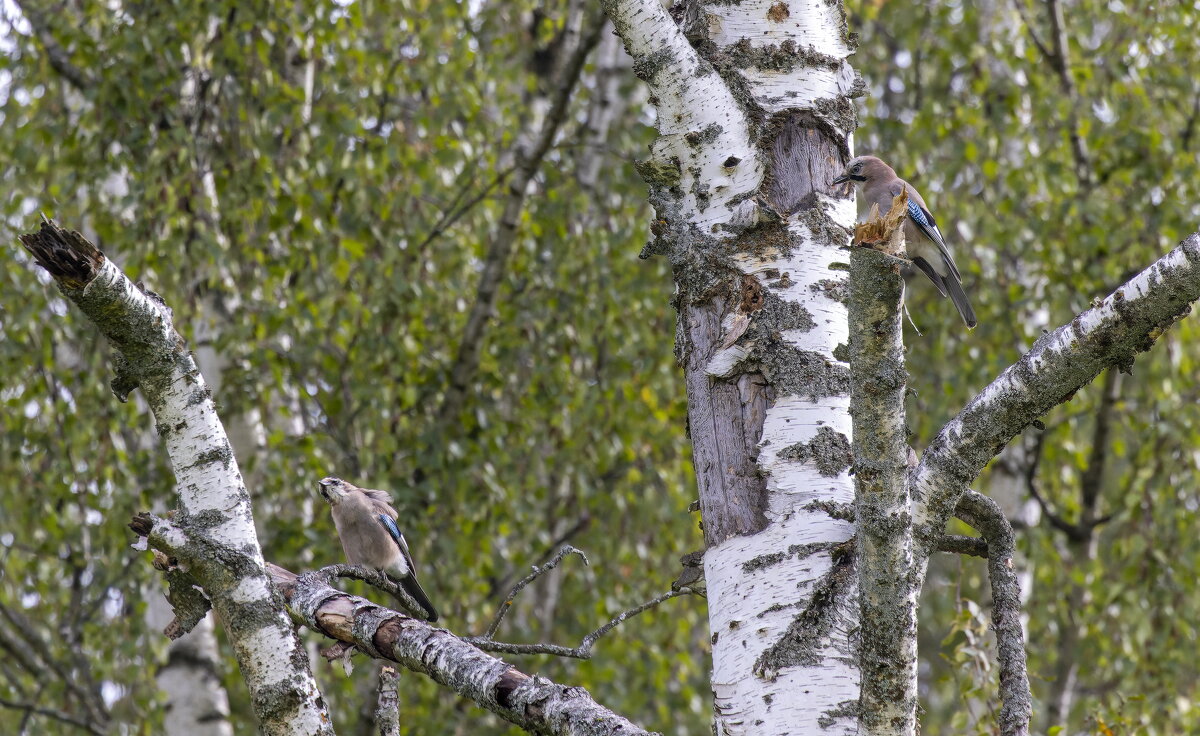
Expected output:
{"points": [[754, 113]]}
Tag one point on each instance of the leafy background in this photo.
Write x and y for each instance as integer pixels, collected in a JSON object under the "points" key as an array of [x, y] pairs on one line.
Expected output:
{"points": [[298, 230]]}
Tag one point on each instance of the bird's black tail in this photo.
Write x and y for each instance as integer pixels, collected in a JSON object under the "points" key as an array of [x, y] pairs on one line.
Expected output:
{"points": [[959, 297], [413, 588]]}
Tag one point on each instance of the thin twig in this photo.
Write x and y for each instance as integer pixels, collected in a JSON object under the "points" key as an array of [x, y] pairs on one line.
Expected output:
{"points": [[32, 638], [537, 572], [1062, 64], [57, 715], [1019, 5], [582, 523], [584, 650], [458, 208]]}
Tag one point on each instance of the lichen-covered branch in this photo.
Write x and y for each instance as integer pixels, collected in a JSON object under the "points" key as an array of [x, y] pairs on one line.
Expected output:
{"points": [[213, 502], [888, 599], [1061, 362], [531, 702], [986, 515]]}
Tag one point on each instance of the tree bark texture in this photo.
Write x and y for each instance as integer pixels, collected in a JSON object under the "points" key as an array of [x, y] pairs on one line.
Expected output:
{"points": [[888, 636], [213, 502], [533, 703], [753, 113]]}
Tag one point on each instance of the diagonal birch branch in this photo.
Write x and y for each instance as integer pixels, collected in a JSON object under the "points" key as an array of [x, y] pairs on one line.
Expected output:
{"points": [[151, 355], [1111, 333]]}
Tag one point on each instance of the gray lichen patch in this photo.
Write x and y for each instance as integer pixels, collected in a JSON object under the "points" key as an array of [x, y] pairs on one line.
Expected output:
{"points": [[222, 454], [823, 227], [778, 314], [799, 551], [809, 632], [659, 173], [701, 264], [782, 57], [699, 188], [647, 67], [842, 711], [803, 373], [829, 451], [766, 239], [704, 136], [836, 289]]}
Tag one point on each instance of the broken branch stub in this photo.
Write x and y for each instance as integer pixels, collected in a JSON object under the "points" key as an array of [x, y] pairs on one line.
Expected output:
{"points": [[884, 234]]}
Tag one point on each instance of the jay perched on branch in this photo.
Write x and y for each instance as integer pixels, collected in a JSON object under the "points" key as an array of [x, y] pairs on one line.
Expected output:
{"points": [[366, 524], [923, 241]]}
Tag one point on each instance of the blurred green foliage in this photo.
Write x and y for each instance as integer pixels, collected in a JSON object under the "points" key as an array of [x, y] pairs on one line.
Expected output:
{"points": [[318, 281]]}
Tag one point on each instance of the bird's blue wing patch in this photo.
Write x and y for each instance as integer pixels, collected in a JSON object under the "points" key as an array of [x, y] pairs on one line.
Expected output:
{"points": [[392, 529], [918, 215]]}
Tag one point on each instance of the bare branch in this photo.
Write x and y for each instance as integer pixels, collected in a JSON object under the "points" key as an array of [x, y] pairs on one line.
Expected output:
{"points": [[226, 559], [1033, 36], [985, 515], [57, 715], [494, 263], [60, 60], [537, 572], [960, 545], [584, 650], [1073, 531], [1061, 60]]}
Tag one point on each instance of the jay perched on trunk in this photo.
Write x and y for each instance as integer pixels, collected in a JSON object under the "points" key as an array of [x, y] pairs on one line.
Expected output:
{"points": [[923, 241], [366, 524]]}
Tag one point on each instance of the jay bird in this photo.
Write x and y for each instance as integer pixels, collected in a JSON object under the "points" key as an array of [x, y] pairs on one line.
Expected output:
{"points": [[922, 240], [366, 524]]}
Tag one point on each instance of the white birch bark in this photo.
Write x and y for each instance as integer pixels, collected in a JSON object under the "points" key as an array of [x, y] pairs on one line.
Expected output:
{"points": [[213, 503], [197, 705], [739, 180]]}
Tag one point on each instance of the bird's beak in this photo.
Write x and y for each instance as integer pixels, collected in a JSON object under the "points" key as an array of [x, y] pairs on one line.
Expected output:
{"points": [[843, 178], [324, 483]]}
